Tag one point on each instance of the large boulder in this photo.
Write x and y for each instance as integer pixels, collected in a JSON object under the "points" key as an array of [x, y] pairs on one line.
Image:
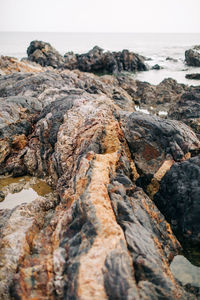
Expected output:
{"points": [[178, 198], [192, 56], [44, 54], [156, 144], [96, 60], [153, 140], [106, 239]]}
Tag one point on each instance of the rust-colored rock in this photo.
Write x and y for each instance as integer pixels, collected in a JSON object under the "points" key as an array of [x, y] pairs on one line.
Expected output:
{"points": [[103, 237]]}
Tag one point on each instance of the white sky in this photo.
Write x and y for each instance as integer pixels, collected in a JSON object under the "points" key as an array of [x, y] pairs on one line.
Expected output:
{"points": [[100, 15]]}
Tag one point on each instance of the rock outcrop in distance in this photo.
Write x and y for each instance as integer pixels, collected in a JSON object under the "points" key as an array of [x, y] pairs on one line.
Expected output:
{"points": [[100, 236], [195, 76], [192, 56], [96, 60]]}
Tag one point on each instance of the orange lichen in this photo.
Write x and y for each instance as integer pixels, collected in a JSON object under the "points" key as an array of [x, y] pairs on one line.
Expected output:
{"points": [[150, 152], [19, 142], [91, 284]]}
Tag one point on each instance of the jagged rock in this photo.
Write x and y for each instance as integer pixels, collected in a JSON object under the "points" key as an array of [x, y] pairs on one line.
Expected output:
{"points": [[44, 54], [152, 140], [195, 76], [178, 198], [155, 145], [187, 109], [96, 60], [162, 95], [192, 56], [10, 65], [105, 238]]}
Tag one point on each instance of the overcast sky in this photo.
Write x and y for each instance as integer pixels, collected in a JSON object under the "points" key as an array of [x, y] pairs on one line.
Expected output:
{"points": [[100, 15]]}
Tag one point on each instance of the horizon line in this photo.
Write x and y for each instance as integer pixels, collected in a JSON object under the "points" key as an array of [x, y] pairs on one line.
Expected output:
{"points": [[104, 32]]}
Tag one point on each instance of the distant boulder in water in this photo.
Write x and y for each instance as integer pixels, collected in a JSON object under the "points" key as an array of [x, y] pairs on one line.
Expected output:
{"points": [[195, 76], [44, 54], [192, 56], [96, 60]]}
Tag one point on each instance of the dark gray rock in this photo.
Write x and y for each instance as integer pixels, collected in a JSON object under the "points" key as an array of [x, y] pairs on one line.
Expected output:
{"points": [[96, 60], [178, 198], [195, 76], [152, 140], [187, 109], [157, 67], [44, 54], [192, 56]]}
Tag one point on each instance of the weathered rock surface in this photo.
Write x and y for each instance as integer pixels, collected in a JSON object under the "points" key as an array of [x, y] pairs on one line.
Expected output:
{"points": [[187, 109], [155, 145], [96, 60], [152, 140], [104, 238], [44, 54], [192, 56], [178, 198], [162, 95], [10, 65]]}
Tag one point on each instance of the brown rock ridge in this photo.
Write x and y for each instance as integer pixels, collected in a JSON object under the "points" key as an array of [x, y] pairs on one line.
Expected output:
{"points": [[104, 238]]}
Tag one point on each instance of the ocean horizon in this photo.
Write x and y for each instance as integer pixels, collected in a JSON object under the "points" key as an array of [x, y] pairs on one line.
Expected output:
{"points": [[155, 46]]}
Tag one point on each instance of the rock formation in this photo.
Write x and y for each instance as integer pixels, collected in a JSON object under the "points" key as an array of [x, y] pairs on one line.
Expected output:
{"points": [[44, 54], [99, 236], [187, 108], [178, 198], [96, 60], [195, 76], [192, 56]]}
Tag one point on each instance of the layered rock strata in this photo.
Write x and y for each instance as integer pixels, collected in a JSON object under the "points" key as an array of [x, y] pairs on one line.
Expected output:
{"points": [[100, 236]]}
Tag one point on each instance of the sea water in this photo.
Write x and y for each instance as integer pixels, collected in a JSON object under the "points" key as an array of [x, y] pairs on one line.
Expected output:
{"points": [[156, 46]]}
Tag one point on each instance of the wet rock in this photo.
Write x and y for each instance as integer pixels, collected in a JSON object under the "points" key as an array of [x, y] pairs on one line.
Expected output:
{"points": [[44, 54], [157, 67], [195, 76], [178, 198], [192, 56]]}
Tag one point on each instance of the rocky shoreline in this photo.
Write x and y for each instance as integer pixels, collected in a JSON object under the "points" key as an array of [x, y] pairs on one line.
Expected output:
{"points": [[119, 176]]}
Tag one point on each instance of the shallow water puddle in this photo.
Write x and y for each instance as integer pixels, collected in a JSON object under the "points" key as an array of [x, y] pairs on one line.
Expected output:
{"points": [[12, 200], [22, 190], [184, 271]]}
